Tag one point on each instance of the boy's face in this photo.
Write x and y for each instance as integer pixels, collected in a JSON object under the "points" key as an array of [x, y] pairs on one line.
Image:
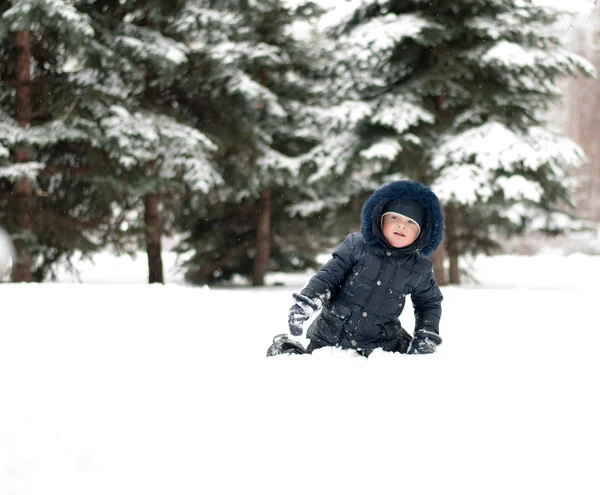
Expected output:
{"points": [[399, 231]]}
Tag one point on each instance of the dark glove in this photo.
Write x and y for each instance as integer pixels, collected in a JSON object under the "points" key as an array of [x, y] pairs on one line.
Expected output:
{"points": [[424, 342], [300, 312]]}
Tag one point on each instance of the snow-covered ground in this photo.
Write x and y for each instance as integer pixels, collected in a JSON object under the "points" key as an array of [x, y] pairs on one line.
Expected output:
{"points": [[123, 388]]}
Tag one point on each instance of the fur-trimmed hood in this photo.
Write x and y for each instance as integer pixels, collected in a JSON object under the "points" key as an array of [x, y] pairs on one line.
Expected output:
{"points": [[432, 232]]}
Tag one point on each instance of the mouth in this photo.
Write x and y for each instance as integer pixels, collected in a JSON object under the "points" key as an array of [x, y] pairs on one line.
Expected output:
{"points": [[399, 234]]}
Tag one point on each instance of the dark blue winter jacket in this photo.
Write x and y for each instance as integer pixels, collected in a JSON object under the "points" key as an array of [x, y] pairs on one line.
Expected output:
{"points": [[364, 285]]}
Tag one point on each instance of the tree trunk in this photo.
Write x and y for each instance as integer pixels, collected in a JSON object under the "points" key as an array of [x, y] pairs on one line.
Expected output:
{"points": [[579, 114], [438, 265], [22, 189], [263, 239], [452, 233], [153, 225]]}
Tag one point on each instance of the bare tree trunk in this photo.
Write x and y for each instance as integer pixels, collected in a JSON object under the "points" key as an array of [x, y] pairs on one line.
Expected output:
{"points": [[263, 239], [452, 235], [153, 224], [438, 265], [580, 114], [594, 151], [22, 189]]}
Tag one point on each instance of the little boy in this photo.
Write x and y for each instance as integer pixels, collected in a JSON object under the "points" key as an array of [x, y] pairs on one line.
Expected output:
{"points": [[361, 290]]}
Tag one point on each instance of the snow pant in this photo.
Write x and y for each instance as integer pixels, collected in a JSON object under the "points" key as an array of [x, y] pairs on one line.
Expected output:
{"points": [[404, 340]]}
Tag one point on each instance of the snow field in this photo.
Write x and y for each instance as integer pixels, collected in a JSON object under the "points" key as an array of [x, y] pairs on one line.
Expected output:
{"points": [[131, 388]]}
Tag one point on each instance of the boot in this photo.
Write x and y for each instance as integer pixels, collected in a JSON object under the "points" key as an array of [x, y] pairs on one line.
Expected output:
{"points": [[282, 344]]}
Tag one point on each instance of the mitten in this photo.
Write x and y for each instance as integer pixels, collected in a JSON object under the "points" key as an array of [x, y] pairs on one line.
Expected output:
{"points": [[424, 342], [300, 312]]}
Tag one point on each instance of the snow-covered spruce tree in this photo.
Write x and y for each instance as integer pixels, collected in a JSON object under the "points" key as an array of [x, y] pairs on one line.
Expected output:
{"points": [[249, 76], [157, 152], [39, 39], [452, 94], [107, 147], [158, 156]]}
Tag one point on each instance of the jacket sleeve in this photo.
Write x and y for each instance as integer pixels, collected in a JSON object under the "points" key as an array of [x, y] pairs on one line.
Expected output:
{"points": [[332, 274], [427, 302]]}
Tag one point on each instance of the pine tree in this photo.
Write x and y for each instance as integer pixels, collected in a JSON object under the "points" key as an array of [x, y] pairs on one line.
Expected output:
{"points": [[252, 76], [155, 149], [453, 94], [38, 38], [107, 150]]}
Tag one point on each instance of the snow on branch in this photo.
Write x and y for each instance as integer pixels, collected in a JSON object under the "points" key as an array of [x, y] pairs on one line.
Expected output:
{"points": [[505, 55], [59, 13], [11, 134], [381, 34], [400, 113], [255, 93], [107, 83], [149, 45], [138, 138], [538, 219], [271, 159], [348, 114], [479, 161], [386, 149], [51, 133], [15, 171], [133, 137], [9, 130], [333, 156], [333, 119], [464, 184], [360, 58], [524, 22], [247, 54], [186, 136], [196, 21], [493, 146], [307, 208], [517, 187]]}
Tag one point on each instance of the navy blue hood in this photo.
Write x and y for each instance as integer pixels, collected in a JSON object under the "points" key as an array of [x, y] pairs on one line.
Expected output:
{"points": [[432, 232]]}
